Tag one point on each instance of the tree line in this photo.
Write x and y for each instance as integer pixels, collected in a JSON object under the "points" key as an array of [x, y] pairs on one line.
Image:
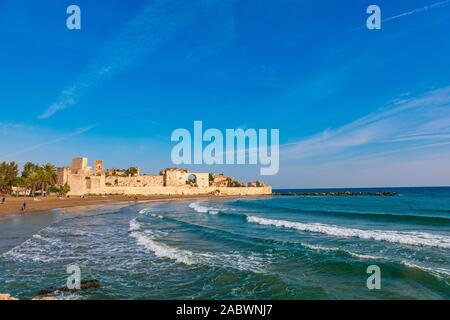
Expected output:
{"points": [[33, 178]]}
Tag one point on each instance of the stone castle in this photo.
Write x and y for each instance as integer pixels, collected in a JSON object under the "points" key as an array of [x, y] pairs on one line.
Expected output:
{"points": [[85, 180]]}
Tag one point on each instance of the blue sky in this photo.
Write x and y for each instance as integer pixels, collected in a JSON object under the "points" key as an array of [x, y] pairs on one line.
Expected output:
{"points": [[354, 107]]}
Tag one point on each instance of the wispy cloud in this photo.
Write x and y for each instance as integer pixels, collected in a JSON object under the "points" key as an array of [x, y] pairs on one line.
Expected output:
{"points": [[34, 147], [9, 126], [439, 4], [404, 124], [406, 143], [154, 25]]}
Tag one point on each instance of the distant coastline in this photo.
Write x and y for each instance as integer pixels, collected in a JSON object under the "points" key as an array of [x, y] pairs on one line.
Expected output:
{"points": [[13, 205]]}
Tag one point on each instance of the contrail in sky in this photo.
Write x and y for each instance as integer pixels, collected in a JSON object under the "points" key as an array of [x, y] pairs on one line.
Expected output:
{"points": [[439, 4], [156, 24], [429, 7], [77, 132]]}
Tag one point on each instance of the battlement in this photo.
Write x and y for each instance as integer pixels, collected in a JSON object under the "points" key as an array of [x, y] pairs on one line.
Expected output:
{"points": [[84, 180]]}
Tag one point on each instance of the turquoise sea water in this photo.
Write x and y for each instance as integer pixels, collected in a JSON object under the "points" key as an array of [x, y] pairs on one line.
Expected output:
{"points": [[251, 248]]}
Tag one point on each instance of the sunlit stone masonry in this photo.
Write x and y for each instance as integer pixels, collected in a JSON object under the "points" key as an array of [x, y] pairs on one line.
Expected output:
{"points": [[85, 180]]}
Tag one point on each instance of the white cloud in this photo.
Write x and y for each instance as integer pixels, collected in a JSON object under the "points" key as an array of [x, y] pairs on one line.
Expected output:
{"points": [[422, 120], [406, 143]]}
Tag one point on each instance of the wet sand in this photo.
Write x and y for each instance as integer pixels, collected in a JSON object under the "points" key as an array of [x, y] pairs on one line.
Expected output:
{"points": [[13, 205]]}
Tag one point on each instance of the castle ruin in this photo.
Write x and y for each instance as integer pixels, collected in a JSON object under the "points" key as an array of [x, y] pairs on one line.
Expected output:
{"points": [[85, 180]]}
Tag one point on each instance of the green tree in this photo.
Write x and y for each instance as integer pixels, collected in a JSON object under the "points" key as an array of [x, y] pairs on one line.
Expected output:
{"points": [[211, 179], [64, 190], [32, 176], [48, 177], [132, 171], [36, 177], [8, 176]]}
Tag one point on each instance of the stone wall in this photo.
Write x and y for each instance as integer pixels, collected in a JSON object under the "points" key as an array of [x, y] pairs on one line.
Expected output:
{"points": [[78, 184], [145, 191], [172, 181], [138, 181], [179, 177], [62, 176], [202, 179], [96, 184], [175, 177]]}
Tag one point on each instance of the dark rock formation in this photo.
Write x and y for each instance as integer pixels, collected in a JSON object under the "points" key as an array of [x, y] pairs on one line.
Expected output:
{"points": [[337, 194], [89, 284]]}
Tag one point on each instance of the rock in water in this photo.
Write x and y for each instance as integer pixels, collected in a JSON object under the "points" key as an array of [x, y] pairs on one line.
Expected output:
{"points": [[89, 284]]}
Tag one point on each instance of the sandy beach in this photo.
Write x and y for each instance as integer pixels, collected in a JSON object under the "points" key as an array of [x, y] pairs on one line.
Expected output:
{"points": [[13, 205]]}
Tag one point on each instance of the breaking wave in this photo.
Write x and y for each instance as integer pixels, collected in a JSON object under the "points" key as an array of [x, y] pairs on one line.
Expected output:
{"points": [[134, 225], [148, 240], [203, 209], [146, 210], [161, 250], [389, 217], [406, 238], [437, 272], [333, 249], [37, 249]]}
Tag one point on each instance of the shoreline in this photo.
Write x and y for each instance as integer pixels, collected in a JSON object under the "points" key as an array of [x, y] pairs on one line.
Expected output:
{"points": [[12, 205]]}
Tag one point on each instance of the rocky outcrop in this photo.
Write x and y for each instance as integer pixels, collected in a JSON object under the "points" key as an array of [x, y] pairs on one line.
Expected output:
{"points": [[6, 297], [337, 194], [89, 284]]}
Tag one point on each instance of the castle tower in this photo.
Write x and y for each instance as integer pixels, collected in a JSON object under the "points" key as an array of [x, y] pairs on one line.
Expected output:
{"points": [[79, 165]]}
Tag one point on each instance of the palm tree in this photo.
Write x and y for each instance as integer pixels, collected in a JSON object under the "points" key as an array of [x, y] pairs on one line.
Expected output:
{"points": [[32, 181], [48, 177], [32, 176]]}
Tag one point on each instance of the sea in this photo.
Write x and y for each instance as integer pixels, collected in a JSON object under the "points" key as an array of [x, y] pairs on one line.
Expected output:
{"points": [[274, 247]]}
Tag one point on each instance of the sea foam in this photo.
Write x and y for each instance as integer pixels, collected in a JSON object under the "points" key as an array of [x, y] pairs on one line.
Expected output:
{"points": [[203, 209], [334, 249], [161, 250], [440, 273], [149, 240], [406, 238]]}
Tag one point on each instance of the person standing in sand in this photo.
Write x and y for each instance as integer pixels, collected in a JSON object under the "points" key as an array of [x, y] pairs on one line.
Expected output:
{"points": [[3, 200], [24, 207]]}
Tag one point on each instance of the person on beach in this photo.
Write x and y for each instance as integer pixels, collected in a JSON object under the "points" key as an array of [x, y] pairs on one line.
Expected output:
{"points": [[24, 207], [3, 200]]}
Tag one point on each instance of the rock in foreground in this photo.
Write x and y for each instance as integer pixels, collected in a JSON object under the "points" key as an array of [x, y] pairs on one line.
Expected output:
{"points": [[89, 284], [337, 194], [5, 297]]}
